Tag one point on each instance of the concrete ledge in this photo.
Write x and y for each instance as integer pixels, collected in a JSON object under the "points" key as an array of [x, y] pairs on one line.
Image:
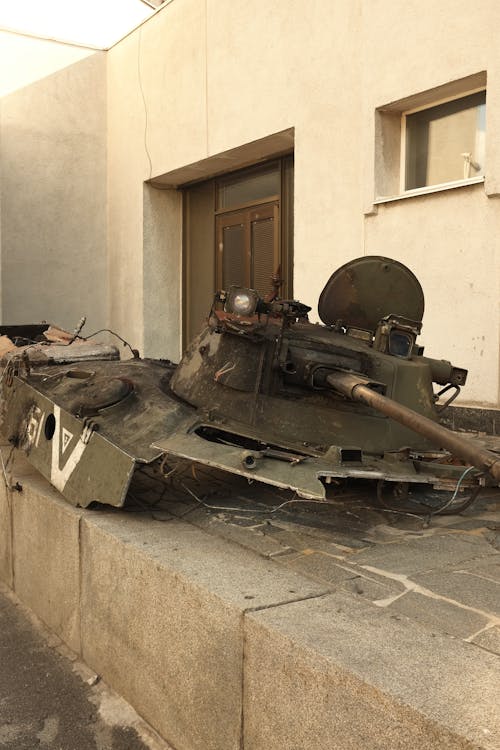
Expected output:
{"points": [[46, 557], [6, 572], [219, 648], [340, 676], [162, 607]]}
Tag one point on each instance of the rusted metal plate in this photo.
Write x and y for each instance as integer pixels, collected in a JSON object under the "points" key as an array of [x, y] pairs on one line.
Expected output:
{"points": [[41, 354], [306, 475], [82, 464], [89, 449], [303, 477], [365, 290]]}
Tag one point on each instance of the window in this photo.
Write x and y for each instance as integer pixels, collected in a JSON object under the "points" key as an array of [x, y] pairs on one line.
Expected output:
{"points": [[248, 252], [248, 229], [238, 230], [431, 141], [445, 143]]}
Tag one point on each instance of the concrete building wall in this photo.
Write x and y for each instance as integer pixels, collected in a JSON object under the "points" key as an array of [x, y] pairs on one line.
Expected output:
{"points": [[26, 59], [205, 86], [449, 239], [202, 79], [53, 184]]}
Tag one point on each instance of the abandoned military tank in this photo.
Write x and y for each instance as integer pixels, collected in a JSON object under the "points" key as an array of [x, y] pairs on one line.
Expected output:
{"points": [[261, 393]]}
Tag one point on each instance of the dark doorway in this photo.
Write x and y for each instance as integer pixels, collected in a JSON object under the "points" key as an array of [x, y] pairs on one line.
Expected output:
{"points": [[238, 229]]}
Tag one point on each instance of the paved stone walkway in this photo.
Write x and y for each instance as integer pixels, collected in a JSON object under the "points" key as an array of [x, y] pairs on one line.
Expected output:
{"points": [[441, 571], [45, 703]]}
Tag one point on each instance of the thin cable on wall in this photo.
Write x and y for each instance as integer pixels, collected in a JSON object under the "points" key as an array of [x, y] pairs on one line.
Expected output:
{"points": [[145, 105]]}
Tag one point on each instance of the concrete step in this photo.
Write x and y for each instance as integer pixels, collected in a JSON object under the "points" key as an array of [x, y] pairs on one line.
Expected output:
{"points": [[386, 640]]}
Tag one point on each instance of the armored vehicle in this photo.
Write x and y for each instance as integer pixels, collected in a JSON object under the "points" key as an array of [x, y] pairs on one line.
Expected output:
{"points": [[261, 393]]}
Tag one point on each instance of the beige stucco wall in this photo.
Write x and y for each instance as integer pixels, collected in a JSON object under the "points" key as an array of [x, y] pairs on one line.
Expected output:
{"points": [[53, 183], [205, 77], [202, 78], [215, 76], [449, 239]]}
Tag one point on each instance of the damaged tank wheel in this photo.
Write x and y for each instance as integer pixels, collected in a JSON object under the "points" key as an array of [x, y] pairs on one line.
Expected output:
{"points": [[392, 495], [423, 498]]}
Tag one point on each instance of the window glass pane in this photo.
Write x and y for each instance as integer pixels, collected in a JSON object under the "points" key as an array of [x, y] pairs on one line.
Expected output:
{"points": [[446, 142], [254, 186], [233, 262], [263, 253]]}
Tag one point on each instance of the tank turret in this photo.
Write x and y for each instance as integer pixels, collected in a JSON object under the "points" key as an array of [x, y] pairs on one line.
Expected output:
{"points": [[261, 392], [355, 396]]}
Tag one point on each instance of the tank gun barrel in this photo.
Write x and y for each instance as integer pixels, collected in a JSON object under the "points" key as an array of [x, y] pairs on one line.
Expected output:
{"points": [[357, 388]]}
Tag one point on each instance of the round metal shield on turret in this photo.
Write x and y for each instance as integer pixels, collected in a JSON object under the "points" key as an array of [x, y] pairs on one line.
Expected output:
{"points": [[363, 291]]}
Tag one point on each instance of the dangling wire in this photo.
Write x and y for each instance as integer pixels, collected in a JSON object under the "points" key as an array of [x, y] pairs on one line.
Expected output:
{"points": [[453, 497], [6, 467], [135, 353]]}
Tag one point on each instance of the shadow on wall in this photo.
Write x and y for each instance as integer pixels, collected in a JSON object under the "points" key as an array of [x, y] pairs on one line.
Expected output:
{"points": [[53, 192], [25, 60]]}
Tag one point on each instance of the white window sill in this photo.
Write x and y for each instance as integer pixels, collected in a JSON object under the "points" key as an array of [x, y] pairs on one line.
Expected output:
{"points": [[430, 189]]}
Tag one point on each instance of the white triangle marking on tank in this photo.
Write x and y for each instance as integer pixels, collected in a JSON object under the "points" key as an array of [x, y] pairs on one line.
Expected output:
{"points": [[59, 477], [66, 439]]}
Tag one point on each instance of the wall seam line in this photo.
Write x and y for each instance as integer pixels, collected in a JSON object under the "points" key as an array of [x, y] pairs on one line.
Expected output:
{"points": [[80, 578], [10, 503], [206, 78], [243, 669]]}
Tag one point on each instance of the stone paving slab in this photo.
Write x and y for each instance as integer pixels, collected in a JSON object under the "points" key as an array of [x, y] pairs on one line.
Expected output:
{"points": [[488, 569], [489, 639], [373, 588], [481, 594], [418, 555], [320, 566], [439, 615]]}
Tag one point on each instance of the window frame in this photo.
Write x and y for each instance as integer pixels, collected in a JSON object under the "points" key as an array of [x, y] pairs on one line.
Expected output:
{"points": [[436, 187], [389, 141]]}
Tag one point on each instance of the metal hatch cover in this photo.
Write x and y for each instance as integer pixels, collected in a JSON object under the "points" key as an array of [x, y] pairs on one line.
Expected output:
{"points": [[362, 292]]}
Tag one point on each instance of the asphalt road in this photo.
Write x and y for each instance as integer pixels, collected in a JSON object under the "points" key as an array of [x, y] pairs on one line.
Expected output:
{"points": [[44, 702]]}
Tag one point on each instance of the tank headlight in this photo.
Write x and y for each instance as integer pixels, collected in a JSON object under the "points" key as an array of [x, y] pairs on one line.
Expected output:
{"points": [[241, 301]]}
